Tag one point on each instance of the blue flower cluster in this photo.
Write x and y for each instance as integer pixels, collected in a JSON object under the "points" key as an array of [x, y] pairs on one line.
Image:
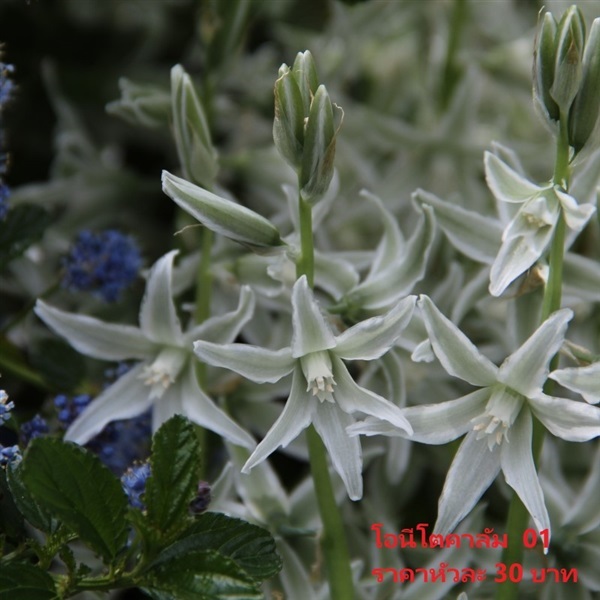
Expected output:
{"points": [[9, 455], [134, 483], [103, 263], [33, 429], [5, 407], [6, 90]]}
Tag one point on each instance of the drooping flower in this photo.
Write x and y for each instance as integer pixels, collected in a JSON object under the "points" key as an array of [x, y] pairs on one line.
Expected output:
{"points": [[165, 378], [322, 391], [496, 418], [103, 263]]}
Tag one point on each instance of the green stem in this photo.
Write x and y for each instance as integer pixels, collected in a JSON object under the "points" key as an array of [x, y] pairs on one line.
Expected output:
{"points": [[334, 543], [518, 517]]}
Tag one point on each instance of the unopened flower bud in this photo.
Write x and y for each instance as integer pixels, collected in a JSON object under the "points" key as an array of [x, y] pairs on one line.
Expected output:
{"points": [[305, 74], [568, 70], [586, 106], [543, 67]]}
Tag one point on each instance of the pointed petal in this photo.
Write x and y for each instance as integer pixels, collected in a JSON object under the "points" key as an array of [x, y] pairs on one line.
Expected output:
{"points": [[526, 370], [252, 362], [583, 380], [296, 416], [472, 471], [198, 407], [568, 419], [520, 472], [95, 338], [473, 234], [506, 184], [312, 333], [158, 317], [128, 397], [223, 329], [576, 215], [167, 406], [372, 338], [455, 351], [351, 398], [344, 451], [516, 256]]}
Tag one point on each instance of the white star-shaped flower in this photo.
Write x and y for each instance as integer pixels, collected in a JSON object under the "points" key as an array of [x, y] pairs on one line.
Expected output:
{"points": [[323, 392], [165, 377], [496, 418]]}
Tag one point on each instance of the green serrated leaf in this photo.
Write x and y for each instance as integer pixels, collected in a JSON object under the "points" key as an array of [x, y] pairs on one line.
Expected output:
{"points": [[251, 547], [74, 485], [175, 465], [22, 226], [200, 575], [11, 520], [25, 502], [25, 582]]}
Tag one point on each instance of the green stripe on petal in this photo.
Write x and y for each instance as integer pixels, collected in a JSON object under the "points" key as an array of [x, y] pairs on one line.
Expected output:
{"points": [[312, 333], [96, 338], [455, 351], [252, 362]]}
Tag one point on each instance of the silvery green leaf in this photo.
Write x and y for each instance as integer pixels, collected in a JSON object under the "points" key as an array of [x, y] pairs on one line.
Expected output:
{"points": [[520, 471], [140, 104], [454, 350], [526, 370], [95, 338], [471, 292], [583, 380], [220, 215], [312, 333], [333, 274], [473, 234], [582, 514], [294, 575], [581, 278], [506, 184]]}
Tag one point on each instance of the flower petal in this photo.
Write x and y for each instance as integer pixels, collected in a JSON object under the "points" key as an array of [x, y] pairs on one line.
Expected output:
{"points": [[576, 215], [505, 183], [373, 337], [296, 416], [568, 419], [312, 333], [526, 370], [158, 317], [472, 471], [167, 406], [128, 397], [223, 329], [95, 338], [455, 351], [252, 362], [583, 380], [344, 451], [198, 407], [516, 460], [351, 398]]}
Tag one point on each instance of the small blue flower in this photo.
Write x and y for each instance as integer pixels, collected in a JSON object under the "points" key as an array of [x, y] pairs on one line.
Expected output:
{"points": [[103, 263], [5, 407], [33, 429], [6, 84], [134, 483], [202, 499], [4, 195], [9, 455]]}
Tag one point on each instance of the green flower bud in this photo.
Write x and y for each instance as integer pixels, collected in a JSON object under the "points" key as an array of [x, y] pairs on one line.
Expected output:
{"points": [[569, 53], [144, 105], [197, 156], [305, 74], [319, 148], [544, 59], [221, 215], [288, 125], [586, 106]]}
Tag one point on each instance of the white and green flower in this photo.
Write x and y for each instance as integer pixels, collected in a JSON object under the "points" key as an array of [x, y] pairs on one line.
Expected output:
{"points": [[496, 418], [322, 391], [165, 378]]}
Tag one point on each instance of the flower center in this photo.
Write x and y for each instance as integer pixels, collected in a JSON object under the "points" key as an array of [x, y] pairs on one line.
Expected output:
{"points": [[163, 371], [316, 367], [500, 413]]}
